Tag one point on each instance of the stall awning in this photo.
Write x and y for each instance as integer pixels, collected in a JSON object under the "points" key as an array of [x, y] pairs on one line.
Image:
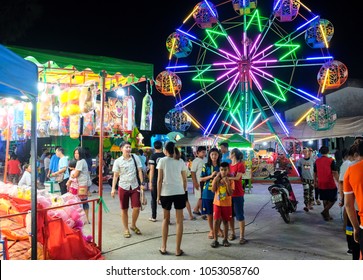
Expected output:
{"points": [[17, 76], [68, 67]]}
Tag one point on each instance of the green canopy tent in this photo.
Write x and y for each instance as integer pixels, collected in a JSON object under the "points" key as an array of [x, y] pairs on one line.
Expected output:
{"points": [[237, 141], [60, 67], [54, 65]]}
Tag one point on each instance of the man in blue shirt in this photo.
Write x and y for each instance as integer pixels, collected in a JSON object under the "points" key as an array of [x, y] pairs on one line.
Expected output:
{"points": [[225, 152], [53, 165]]}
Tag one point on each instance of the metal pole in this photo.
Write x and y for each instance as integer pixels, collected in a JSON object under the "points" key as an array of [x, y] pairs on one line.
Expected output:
{"points": [[103, 75]]}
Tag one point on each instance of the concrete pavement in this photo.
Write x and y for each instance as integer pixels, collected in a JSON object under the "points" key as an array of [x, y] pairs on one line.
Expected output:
{"points": [[307, 237]]}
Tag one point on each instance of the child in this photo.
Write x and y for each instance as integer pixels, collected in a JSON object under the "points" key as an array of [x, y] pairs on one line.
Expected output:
{"points": [[26, 179], [222, 203], [72, 183]]}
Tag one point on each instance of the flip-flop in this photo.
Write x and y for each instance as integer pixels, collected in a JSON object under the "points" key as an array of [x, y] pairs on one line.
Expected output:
{"points": [[136, 230], [180, 253], [231, 237], [225, 243], [242, 241], [163, 252]]}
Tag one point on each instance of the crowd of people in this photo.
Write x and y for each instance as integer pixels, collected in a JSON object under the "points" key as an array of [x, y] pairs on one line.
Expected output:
{"points": [[324, 180], [217, 186], [216, 176]]}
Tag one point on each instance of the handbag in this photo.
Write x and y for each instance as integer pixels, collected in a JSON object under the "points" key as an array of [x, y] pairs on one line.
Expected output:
{"points": [[82, 191], [60, 177], [143, 199]]}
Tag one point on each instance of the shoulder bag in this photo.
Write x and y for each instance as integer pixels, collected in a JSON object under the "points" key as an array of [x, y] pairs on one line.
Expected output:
{"points": [[143, 199]]}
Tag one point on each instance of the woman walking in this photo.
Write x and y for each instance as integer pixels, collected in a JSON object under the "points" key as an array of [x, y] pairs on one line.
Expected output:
{"points": [[172, 184]]}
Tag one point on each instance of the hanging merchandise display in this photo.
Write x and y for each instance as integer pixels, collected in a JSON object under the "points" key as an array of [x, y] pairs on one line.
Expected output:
{"points": [[146, 111], [116, 111], [128, 107]]}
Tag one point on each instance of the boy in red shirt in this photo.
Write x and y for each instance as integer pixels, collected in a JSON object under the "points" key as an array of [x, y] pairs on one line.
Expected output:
{"points": [[14, 170]]}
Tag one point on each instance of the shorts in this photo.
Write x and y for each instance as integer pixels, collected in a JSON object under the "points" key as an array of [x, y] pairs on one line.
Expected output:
{"points": [[86, 204], [207, 206], [178, 200], [329, 194], [126, 195], [237, 208], [222, 212]]}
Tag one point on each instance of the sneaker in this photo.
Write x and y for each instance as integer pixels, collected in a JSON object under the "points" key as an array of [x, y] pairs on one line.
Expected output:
{"points": [[349, 252], [306, 209], [152, 220], [318, 202]]}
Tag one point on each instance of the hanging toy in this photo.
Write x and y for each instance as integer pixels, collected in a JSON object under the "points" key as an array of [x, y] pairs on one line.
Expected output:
{"points": [[74, 125], [146, 111], [128, 112]]}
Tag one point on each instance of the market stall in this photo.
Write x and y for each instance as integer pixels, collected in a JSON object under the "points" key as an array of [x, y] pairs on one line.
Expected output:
{"points": [[72, 101]]}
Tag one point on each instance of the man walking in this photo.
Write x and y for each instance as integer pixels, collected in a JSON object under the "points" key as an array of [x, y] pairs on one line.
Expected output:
{"points": [[127, 167], [325, 177], [153, 177]]}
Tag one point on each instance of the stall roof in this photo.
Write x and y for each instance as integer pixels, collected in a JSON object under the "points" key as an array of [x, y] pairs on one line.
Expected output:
{"points": [[17, 76], [52, 64]]}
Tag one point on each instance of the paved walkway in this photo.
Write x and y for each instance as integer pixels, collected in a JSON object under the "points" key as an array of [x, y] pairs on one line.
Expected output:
{"points": [[307, 237]]}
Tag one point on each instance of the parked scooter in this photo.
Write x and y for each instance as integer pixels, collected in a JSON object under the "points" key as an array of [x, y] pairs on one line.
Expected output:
{"points": [[282, 195]]}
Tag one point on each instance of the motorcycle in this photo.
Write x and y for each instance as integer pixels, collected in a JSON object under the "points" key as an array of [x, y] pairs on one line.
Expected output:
{"points": [[282, 195]]}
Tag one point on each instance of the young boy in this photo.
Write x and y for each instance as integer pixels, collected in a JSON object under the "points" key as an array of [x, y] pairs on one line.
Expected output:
{"points": [[222, 204]]}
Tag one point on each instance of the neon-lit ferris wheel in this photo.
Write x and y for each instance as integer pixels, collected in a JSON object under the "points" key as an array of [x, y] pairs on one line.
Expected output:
{"points": [[246, 63]]}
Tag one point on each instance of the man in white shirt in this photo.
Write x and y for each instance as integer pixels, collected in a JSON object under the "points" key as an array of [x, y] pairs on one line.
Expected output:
{"points": [[196, 170], [130, 183]]}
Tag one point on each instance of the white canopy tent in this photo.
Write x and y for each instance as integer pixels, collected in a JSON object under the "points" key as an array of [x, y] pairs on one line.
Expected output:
{"points": [[19, 77], [344, 127]]}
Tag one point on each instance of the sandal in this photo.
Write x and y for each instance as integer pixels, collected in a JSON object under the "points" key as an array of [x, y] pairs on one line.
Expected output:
{"points": [[242, 241], [127, 234], [136, 230], [225, 243], [231, 237], [214, 244]]}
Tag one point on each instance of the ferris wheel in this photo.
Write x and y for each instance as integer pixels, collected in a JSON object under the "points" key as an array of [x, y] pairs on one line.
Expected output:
{"points": [[240, 64]]}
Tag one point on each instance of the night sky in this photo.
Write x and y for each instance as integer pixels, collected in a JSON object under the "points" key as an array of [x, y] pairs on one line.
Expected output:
{"points": [[137, 30]]}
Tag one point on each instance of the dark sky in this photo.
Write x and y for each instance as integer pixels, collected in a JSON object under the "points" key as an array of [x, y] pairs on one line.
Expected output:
{"points": [[137, 30]]}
